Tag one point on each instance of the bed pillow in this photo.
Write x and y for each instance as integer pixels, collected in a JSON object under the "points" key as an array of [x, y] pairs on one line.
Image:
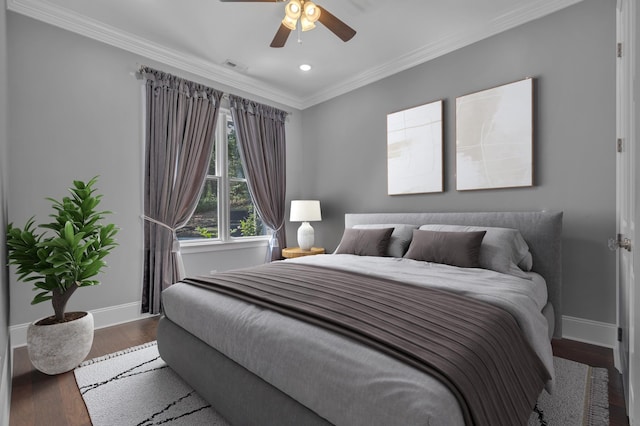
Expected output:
{"points": [[452, 248], [400, 237], [502, 250], [527, 262], [365, 242]]}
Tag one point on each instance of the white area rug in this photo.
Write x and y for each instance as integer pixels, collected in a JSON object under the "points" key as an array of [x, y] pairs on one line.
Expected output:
{"points": [[136, 387], [581, 397]]}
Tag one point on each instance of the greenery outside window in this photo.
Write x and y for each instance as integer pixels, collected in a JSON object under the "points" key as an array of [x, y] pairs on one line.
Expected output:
{"points": [[225, 211]]}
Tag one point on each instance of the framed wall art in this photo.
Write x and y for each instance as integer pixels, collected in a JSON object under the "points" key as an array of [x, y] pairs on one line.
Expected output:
{"points": [[414, 150], [494, 137]]}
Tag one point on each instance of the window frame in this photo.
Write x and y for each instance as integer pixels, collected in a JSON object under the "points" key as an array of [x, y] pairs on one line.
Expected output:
{"points": [[223, 181]]}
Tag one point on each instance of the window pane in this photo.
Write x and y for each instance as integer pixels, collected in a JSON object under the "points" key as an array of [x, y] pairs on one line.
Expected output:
{"points": [[204, 222], [244, 219], [212, 161], [235, 164]]}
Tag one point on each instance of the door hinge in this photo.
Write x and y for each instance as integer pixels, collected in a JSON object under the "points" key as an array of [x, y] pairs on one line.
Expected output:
{"points": [[619, 334], [619, 50], [619, 145], [619, 242], [623, 242]]}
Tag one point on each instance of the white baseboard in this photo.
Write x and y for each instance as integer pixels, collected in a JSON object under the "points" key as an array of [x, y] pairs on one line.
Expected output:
{"points": [[588, 331], [5, 385], [103, 317], [617, 362]]}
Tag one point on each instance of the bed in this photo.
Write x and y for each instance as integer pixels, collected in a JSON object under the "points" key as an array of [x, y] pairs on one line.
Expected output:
{"points": [[306, 374]]}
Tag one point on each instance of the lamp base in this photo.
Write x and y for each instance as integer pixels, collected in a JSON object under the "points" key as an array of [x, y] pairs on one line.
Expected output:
{"points": [[305, 236]]}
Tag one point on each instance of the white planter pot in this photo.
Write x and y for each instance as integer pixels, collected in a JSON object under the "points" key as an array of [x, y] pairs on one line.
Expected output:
{"points": [[57, 348]]}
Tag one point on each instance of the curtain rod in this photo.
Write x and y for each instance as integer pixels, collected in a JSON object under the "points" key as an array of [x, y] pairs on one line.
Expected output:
{"points": [[138, 75]]}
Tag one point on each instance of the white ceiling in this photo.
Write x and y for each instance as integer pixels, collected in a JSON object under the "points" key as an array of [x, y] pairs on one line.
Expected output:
{"points": [[199, 36]]}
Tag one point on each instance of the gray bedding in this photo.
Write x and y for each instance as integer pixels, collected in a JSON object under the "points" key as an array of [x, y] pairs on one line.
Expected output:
{"points": [[341, 380], [476, 349], [336, 378]]}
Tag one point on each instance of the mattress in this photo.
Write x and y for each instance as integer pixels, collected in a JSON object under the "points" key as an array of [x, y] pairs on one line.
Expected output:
{"points": [[366, 386]]}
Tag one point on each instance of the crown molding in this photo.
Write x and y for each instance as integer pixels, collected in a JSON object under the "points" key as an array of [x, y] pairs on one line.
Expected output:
{"points": [[446, 44], [83, 25], [91, 28]]}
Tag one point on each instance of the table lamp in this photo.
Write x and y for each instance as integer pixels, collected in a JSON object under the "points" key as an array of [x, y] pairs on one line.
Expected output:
{"points": [[305, 211]]}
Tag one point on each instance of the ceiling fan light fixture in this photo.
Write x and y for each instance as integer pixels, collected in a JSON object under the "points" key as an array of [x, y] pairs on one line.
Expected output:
{"points": [[306, 24], [293, 9], [289, 23], [307, 12], [311, 11]]}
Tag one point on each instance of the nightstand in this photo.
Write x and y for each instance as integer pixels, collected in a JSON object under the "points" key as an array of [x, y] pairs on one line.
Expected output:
{"points": [[291, 252]]}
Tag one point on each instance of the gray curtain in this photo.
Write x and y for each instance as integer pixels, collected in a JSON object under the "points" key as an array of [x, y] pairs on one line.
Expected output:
{"points": [[180, 124], [260, 130]]}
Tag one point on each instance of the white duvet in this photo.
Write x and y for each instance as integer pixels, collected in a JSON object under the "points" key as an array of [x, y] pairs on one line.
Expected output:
{"points": [[340, 379]]}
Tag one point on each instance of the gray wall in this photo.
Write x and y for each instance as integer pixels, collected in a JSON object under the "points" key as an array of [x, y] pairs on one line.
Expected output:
{"points": [[75, 113], [571, 55], [5, 347]]}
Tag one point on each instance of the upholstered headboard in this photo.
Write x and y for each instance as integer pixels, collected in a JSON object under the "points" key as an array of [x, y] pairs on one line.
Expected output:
{"points": [[542, 230]]}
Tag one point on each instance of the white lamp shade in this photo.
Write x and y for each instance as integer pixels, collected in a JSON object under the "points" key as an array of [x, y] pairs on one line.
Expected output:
{"points": [[306, 24], [293, 9], [289, 23], [311, 11], [305, 211]]}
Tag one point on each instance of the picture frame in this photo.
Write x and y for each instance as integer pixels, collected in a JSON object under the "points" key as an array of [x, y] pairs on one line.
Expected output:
{"points": [[415, 150], [494, 137]]}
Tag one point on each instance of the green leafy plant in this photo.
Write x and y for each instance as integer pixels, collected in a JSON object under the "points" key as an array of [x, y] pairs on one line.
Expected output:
{"points": [[250, 226], [70, 251], [204, 232]]}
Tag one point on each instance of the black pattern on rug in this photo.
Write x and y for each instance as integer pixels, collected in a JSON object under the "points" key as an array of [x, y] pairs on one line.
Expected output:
{"points": [[540, 415], [151, 422], [123, 375]]}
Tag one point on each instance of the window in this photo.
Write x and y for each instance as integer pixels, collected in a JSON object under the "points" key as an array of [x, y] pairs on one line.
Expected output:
{"points": [[225, 210]]}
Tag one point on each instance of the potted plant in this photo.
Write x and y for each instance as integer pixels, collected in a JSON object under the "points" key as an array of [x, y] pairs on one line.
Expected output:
{"points": [[67, 254]]}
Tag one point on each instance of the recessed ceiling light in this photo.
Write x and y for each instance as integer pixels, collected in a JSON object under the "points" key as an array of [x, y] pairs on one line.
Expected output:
{"points": [[305, 67]]}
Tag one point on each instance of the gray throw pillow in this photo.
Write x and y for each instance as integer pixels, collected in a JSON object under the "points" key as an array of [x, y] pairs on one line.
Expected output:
{"points": [[502, 250], [452, 248], [365, 242], [400, 238]]}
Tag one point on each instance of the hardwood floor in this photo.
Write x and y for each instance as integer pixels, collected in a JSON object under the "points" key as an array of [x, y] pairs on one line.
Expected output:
{"points": [[39, 399]]}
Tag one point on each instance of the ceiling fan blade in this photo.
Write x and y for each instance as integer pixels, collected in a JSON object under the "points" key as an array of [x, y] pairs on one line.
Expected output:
{"points": [[281, 36], [335, 25]]}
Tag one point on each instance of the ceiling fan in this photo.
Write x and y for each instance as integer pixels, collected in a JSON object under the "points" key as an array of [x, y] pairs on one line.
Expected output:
{"points": [[307, 13]]}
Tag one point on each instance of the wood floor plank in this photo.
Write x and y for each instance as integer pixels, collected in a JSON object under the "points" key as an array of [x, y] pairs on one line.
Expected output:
{"points": [[32, 390], [75, 411], [22, 402]]}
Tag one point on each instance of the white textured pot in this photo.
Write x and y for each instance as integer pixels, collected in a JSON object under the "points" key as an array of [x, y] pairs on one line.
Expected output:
{"points": [[57, 348]]}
